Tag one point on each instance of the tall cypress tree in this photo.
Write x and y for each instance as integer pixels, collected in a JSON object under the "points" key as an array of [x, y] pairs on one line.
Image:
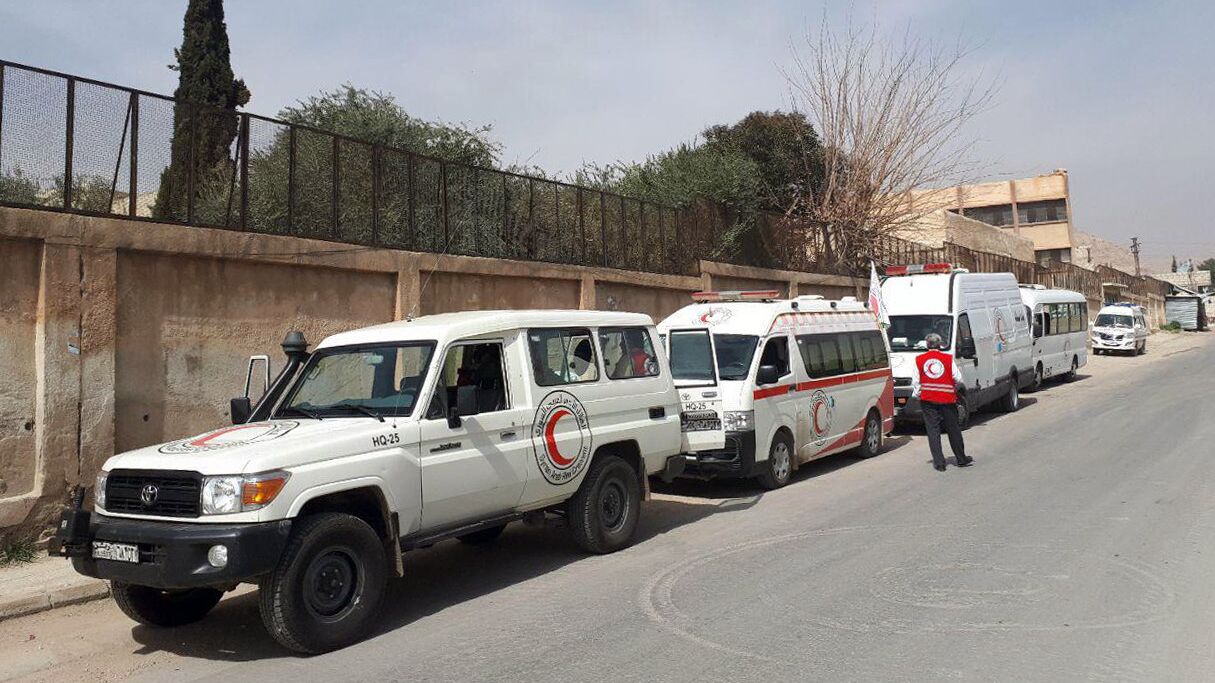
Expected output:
{"points": [[205, 81]]}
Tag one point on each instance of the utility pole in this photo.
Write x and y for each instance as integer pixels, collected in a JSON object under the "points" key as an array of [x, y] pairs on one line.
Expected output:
{"points": [[1135, 251]]}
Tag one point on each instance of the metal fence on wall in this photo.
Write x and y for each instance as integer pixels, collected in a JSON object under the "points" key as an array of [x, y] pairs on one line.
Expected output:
{"points": [[75, 144]]}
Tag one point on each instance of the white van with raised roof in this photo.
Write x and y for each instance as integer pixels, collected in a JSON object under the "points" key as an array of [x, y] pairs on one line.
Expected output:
{"points": [[982, 322], [785, 381]]}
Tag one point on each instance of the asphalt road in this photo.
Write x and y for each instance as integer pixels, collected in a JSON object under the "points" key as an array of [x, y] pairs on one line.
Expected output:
{"points": [[1080, 546]]}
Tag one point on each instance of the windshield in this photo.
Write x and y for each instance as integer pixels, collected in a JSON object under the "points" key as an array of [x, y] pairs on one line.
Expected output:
{"points": [[907, 332], [734, 352], [356, 382], [692, 356], [1114, 320]]}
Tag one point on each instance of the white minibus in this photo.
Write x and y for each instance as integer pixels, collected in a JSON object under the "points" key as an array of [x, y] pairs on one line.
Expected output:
{"points": [[1060, 327], [1120, 327], [983, 324], [788, 380]]}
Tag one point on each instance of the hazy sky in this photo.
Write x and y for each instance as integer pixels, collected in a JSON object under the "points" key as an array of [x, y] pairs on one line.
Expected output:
{"points": [[1118, 93]]}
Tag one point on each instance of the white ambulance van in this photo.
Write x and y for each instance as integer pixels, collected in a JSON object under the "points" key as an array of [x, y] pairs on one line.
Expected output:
{"points": [[788, 380], [1060, 329], [1121, 328], [382, 440], [982, 322]]}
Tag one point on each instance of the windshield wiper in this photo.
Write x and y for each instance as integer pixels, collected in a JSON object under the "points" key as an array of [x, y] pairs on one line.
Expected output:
{"points": [[362, 409], [302, 411]]}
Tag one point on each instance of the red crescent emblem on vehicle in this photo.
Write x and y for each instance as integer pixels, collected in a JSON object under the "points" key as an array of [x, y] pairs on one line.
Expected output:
{"points": [[550, 441], [818, 429]]}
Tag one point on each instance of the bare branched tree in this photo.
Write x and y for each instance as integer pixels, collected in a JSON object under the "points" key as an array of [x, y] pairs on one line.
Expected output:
{"points": [[893, 114]]}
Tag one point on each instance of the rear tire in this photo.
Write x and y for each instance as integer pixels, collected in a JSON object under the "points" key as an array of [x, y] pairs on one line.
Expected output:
{"points": [[779, 466], [1071, 374], [871, 436], [603, 513], [483, 536], [328, 585], [155, 607]]}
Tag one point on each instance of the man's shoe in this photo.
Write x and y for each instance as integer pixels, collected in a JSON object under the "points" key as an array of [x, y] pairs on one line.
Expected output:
{"points": [[966, 463], [939, 468]]}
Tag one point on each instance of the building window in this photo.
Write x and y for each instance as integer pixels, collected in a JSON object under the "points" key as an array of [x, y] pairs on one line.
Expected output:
{"points": [[1048, 256], [992, 215], [1050, 211]]}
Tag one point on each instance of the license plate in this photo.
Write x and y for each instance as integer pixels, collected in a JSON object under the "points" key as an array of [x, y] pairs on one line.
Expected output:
{"points": [[702, 425], [902, 401], [118, 552]]}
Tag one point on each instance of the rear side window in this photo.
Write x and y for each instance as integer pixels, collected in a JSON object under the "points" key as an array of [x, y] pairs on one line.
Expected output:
{"points": [[628, 352], [848, 359], [870, 351], [562, 356], [820, 354]]}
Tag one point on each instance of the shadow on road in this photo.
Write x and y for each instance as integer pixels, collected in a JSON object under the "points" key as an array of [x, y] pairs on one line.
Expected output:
{"points": [[436, 578]]}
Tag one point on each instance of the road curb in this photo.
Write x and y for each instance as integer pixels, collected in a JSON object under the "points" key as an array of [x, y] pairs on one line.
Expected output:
{"points": [[52, 598]]}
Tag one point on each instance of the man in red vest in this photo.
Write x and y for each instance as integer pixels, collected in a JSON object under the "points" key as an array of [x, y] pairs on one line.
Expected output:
{"points": [[935, 384]]}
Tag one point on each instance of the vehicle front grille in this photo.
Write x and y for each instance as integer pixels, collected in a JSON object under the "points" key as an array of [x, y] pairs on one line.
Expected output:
{"points": [[728, 456], [177, 492]]}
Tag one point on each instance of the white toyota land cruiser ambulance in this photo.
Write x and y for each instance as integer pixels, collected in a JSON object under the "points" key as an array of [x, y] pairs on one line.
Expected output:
{"points": [[787, 380], [382, 440]]}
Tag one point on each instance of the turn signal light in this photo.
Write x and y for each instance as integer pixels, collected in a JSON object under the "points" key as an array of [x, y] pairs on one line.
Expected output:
{"points": [[260, 492]]}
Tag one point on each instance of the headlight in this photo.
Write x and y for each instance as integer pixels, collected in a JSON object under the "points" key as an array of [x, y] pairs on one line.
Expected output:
{"points": [[738, 420], [228, 494], [99, 490]]}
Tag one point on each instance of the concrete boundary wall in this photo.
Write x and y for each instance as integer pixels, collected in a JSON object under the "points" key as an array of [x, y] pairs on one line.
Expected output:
{"points": [[116, 334]]}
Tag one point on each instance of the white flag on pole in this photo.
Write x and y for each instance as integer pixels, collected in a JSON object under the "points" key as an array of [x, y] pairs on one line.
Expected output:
{"points": [[876, 304]]}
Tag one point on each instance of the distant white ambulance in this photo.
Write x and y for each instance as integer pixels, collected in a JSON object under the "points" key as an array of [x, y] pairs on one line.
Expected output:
{"points": [[787, 380], [1120, 327], [1060, 329], [982, 322]]}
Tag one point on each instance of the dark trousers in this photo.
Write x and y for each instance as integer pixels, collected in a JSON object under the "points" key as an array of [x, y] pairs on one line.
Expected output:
{"points": [[935, 415]]}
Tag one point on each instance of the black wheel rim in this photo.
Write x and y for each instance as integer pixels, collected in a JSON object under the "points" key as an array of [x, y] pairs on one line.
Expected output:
{"points": [[333, 583], [613, 506]]}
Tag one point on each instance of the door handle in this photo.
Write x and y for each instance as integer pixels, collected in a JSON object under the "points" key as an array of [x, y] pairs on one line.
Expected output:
{"points": [[658, 413], [507, 435]]}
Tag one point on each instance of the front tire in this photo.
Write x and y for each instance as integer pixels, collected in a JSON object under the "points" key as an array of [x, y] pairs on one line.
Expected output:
{"points": [[1011, 400], [603, 513], [779, 466], [155, 607], [963, 408], [328, 585]]}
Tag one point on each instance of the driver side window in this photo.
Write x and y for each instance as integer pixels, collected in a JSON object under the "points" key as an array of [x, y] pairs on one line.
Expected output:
{"points": [[776, 353], [477, 371]]}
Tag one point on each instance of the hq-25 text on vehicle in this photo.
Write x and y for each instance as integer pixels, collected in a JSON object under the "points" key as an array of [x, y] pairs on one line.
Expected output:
{"points": [[786, 380], [381, 440]]}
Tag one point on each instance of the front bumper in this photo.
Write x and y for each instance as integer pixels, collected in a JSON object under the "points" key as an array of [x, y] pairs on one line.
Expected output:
{"points": [[906, 406], [737, 459], [1110, 345], [174, 555]]}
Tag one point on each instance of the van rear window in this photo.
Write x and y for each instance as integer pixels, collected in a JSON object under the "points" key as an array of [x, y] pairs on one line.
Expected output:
{"points": [[692, 356]]}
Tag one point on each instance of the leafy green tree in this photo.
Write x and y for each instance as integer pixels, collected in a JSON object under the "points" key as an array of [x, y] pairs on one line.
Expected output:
{"points": [[19, 188], [786, 151], [207, 82]]}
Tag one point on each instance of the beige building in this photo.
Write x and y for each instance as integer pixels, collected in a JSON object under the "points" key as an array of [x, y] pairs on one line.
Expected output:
{"points": [[1037, 209], [938, 227]]}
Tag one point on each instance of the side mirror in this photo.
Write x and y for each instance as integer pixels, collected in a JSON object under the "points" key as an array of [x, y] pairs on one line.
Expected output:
{"points": [[240, 408], [466, 401], [453, 418], [768, 374]]}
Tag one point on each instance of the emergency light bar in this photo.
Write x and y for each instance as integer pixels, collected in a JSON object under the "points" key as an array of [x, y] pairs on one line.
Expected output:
{"points": [[752, 295], [920, 268]]}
